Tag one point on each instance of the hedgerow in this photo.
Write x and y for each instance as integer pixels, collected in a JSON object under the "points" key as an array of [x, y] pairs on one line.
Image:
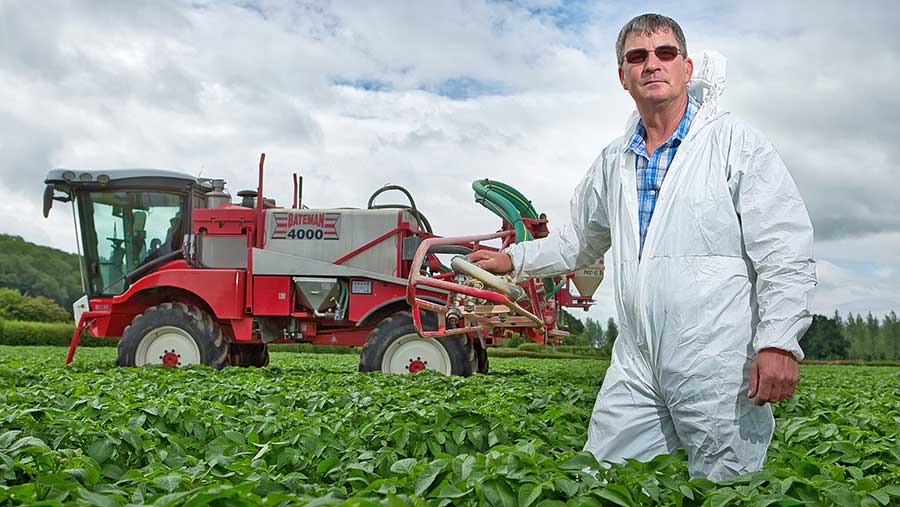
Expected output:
{"points": [[14, 332]]}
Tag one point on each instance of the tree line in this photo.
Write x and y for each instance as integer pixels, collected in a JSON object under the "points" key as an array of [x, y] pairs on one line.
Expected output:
{"points": [[854, 337]]}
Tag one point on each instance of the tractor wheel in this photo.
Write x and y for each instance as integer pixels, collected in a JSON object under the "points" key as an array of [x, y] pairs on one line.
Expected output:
{"points": [[481, 357], [173, 334], [394, 346], [249, 354]]}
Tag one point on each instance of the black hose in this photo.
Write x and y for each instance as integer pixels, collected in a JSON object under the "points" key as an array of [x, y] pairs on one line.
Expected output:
{"points": [[450, 249], [411, 207]]}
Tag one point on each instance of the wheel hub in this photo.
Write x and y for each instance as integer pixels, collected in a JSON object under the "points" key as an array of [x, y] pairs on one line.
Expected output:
{"points": [[412, 353], [416, 365], [170, 358], [168, 346]]}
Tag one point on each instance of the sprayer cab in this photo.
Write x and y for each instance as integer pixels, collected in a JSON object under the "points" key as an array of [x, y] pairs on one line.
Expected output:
{"points": [[126, 219]]}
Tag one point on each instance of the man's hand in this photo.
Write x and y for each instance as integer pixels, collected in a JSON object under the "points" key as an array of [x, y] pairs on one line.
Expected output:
{"points": [[773, 376], [495, 262]]}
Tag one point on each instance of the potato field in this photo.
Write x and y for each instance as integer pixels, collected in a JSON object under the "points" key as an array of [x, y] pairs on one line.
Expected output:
{"points": [[309, 430]]}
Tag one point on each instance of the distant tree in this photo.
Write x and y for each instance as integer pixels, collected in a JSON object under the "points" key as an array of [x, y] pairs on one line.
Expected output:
{"points": [[871, 333], [855, 332], [576, 339], [16, 306], [825, 340], [575, 326], [593, 333], [889, 338], [612, 332]]}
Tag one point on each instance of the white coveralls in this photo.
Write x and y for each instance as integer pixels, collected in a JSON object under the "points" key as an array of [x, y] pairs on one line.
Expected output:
{"points": [[726, 271]]}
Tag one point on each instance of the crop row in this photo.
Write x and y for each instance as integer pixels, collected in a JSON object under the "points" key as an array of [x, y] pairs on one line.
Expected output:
{"points": [[308, 430]]}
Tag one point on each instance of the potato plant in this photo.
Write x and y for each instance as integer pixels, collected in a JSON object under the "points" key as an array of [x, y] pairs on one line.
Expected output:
{"points": [[309, 430]]}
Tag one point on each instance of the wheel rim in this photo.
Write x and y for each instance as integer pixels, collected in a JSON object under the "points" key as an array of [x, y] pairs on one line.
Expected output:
{"points": [[169, 346], [412, 353]]}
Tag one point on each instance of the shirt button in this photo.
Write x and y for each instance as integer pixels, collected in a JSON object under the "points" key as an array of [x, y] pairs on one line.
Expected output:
{"points": [[653, 192]]}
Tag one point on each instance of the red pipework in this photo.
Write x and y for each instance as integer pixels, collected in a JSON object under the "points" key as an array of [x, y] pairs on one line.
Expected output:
{"points": [[416, 304], [259, 203]]}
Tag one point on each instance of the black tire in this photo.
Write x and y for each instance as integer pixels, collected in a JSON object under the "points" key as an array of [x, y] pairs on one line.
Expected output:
{"points": [[249, 354], [481, 358], [199, 325], [458, 347]]}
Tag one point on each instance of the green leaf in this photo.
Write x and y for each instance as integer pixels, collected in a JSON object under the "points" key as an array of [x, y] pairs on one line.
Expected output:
{"points": [[891, 489], [112, 471], [101, 449], [465, 466], [882, 497], [581, 461], [451, 491], [264, 449], [404, 466], [168, 483], [567, 487], [720, 498], [497, 492], [98, 499], [327, 465], [427, 477], [840, 494], [616, 494], [528, 493]]}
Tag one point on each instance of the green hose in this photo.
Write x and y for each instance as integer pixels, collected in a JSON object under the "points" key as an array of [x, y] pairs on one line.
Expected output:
{"points": [[510, 205], [507, 203]]}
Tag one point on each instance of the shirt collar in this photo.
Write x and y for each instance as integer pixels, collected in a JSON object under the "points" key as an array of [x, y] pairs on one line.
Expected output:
{"points": [[637, 140]]}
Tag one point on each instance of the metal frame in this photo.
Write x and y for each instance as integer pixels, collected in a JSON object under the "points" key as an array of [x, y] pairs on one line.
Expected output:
{"points": [[472, 321]]}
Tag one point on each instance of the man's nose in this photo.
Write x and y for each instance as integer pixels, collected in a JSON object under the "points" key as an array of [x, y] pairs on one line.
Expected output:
{"points": [[652, 63]]}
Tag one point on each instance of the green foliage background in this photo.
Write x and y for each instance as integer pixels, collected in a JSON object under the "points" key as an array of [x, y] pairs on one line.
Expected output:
{"points": [[17, 306], [39, 270]]}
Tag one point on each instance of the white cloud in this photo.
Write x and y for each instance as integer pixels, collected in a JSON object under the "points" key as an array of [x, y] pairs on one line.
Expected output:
{"points": [[211, 84]]}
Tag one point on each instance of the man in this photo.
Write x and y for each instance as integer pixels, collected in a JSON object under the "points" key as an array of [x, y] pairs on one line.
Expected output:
{"points": [[712, 255]]}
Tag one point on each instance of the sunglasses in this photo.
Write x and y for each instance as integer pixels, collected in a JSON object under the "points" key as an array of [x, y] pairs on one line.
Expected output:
{"points": [[664, 53]]}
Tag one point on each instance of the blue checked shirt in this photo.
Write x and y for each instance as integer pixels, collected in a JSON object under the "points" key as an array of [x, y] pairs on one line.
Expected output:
{"points": [[651, 169]]}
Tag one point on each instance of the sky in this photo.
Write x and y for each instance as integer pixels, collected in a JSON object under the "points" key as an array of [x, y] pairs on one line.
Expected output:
{"points": [[435, 95]]}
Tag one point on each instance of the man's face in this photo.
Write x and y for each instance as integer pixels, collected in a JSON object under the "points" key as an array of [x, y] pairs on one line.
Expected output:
{"points": [[654, 81]]}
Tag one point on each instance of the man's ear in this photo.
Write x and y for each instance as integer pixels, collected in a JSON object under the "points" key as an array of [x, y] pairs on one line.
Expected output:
{"points": [[688, 69], [622, 78]]}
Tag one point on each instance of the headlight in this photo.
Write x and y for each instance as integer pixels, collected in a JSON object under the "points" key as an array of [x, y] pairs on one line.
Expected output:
{"points": [[79, 307]]}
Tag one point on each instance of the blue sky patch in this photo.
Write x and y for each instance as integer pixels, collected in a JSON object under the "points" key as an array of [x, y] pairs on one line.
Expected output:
{"points": [[565, 15], [370, 85], [465, 87]]}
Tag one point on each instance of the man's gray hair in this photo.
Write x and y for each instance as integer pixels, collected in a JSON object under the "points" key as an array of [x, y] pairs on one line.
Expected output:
{"points": [[648, 24]]}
